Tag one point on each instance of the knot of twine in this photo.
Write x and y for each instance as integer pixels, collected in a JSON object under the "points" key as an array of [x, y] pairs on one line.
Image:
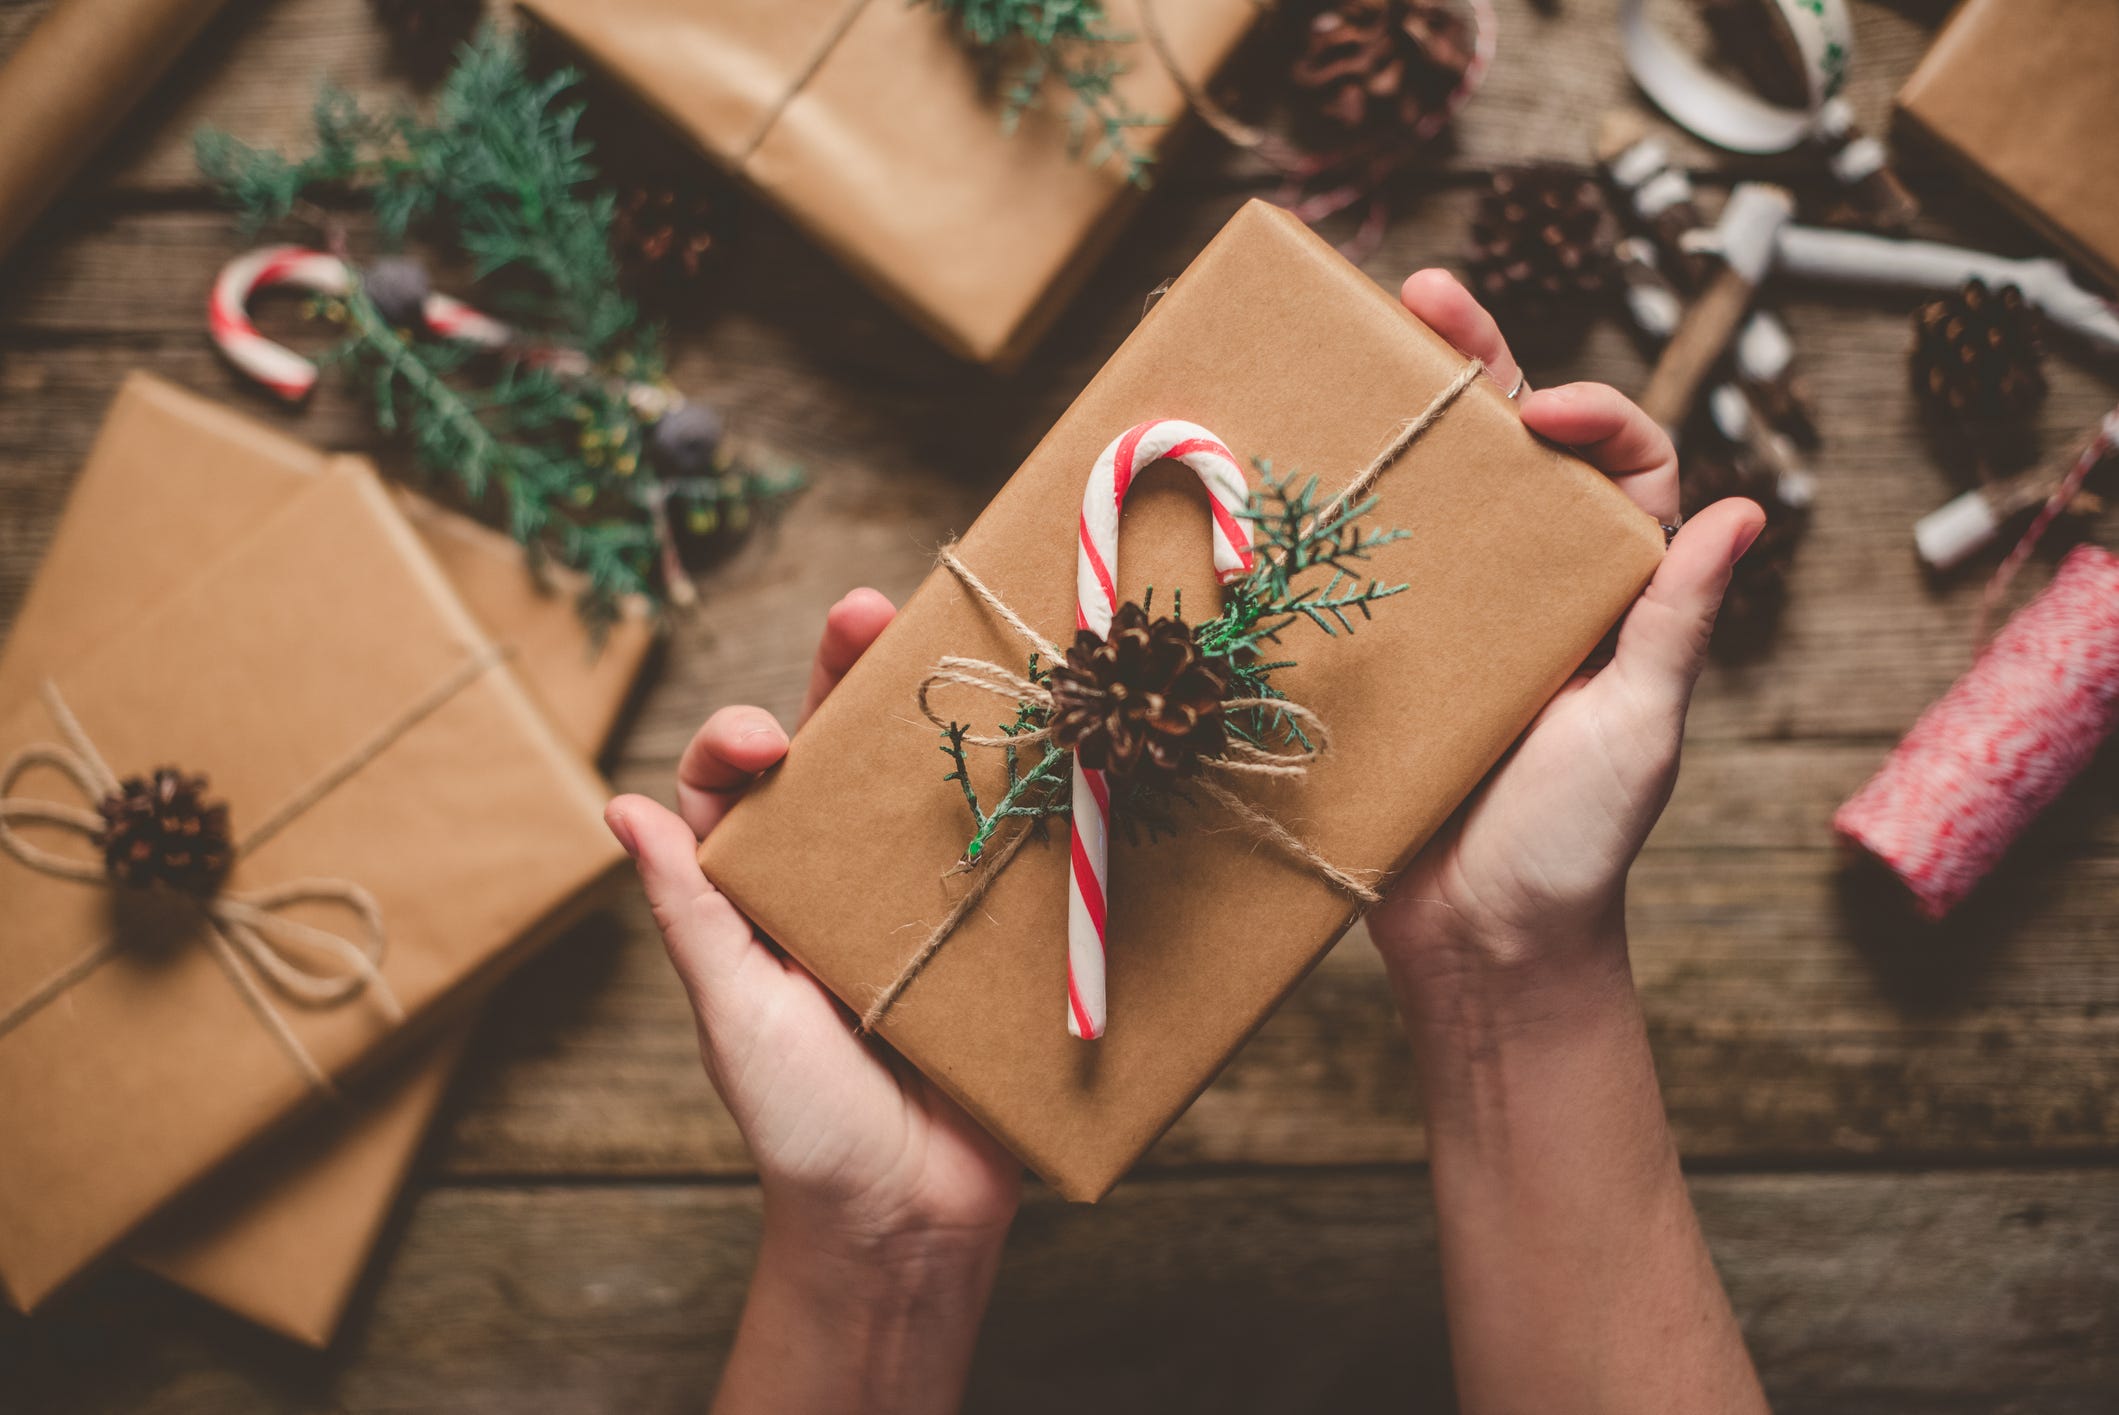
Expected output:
{"points": [[1239, 758], [249, 936]]}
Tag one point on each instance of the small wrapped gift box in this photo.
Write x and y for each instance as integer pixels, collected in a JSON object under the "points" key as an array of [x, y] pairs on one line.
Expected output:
{"points": [[402, 822], [1519, 559], [875, 128], [282, 1234]]}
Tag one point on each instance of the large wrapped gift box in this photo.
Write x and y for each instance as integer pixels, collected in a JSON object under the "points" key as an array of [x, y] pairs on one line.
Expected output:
{"points": [[2021, 92], [871, 125], [283, 1234], [315, 663], [1520, 559]]}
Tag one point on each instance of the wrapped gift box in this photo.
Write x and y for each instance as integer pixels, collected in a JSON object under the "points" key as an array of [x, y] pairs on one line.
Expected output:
{"points": [[1520, 559], [315, 663], [282, 1235], [2021, 93], [869, 123]]}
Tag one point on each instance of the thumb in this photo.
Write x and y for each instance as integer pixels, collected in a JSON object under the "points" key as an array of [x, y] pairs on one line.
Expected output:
{"points": [[705, 934], [1664, 640]]}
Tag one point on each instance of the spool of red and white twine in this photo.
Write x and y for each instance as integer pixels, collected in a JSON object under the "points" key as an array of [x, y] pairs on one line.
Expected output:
{"points": [[1095, 601], [284, 371], [1994, 751]]}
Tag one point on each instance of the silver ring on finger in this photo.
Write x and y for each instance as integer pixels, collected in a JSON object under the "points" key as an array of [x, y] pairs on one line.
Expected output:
{"points": [[1521, 386]]}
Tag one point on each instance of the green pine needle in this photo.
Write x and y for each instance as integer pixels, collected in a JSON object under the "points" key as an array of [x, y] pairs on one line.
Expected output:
{"points": [[501, 171], [1297, 535], [1034, 42]]}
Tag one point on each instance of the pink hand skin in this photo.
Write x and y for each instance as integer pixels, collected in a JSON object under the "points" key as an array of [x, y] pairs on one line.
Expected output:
{"points": [[1573, 1269], [885, 1206]]}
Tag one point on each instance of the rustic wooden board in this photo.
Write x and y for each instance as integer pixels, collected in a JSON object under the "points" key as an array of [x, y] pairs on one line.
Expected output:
{"points": [[586, 1225], [1993, 1291]]}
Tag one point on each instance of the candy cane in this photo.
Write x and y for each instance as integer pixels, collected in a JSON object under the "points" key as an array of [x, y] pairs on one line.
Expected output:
{"points": [[288, 373], [227, 314], [1095, 601]]}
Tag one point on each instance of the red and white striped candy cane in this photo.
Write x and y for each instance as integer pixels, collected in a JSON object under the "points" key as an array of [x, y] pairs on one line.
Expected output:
{"points": [[228, 317], [1095, 601], [288, 373]]}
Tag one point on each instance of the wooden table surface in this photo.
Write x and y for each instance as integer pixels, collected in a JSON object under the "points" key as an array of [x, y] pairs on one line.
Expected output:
{"points": [[1902, 1143]]}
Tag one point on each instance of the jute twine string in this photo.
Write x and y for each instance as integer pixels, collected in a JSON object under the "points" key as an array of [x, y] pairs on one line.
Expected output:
{"points": [[246, 933], [1239, 758]]}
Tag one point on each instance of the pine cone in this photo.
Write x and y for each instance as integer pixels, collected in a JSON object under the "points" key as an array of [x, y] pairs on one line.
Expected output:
{"points": [[1542, 236], [428, 31], [1976, 354], [162, 830], [1144, 703], [1758, 586], [662, 232], [1379, 69]]}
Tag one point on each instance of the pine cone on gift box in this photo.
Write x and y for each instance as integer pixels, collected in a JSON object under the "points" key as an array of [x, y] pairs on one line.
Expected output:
{"points": [[1976, 354], [1542, 237], [1376, 70], [662, 231], [163, 830], [1143, 704], [425, 33]]}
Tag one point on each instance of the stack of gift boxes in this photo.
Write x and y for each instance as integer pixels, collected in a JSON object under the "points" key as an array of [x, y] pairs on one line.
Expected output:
{"points": [[388, 704], [226, 1084]]}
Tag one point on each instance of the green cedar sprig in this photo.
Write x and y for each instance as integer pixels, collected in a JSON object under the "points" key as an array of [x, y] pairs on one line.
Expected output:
{"points": [[1032, 42], [1298, 536], [501, 171], [1033, 794]]}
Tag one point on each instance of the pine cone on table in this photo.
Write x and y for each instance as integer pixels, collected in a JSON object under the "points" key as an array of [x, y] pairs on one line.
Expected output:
{"points": [[164, 830], [662, 232], [1377, 70], [1542, 237], [1976, 354], [1758, 586], [1143, 704]]}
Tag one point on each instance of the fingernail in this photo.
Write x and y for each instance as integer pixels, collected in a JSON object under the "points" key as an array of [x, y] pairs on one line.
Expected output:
{"points": [[1749, 536], [758, 724], [622, 830]]}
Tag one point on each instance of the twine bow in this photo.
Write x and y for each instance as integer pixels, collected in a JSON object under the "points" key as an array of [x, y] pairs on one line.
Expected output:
{"points": [[260, 949], [1239, 757]]}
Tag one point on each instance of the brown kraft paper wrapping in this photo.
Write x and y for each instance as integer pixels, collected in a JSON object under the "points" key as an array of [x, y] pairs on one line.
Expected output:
{"points": [[324, 640], [70, 84], [1520, 559], [867, 122], [2025, 94], [282, 1235]]}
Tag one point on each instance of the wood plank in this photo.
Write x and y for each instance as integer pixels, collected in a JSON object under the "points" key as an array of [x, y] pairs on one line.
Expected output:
{"points": [[255, 72], [1878, 1293]]}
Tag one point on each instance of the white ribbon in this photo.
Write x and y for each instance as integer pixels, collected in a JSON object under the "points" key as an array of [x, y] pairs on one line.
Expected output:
{"points": [[1712, 107]]}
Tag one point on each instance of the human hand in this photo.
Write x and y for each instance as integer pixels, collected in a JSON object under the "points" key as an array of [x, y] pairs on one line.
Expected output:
{"points": [[858, 1155], [1532, 870]]}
